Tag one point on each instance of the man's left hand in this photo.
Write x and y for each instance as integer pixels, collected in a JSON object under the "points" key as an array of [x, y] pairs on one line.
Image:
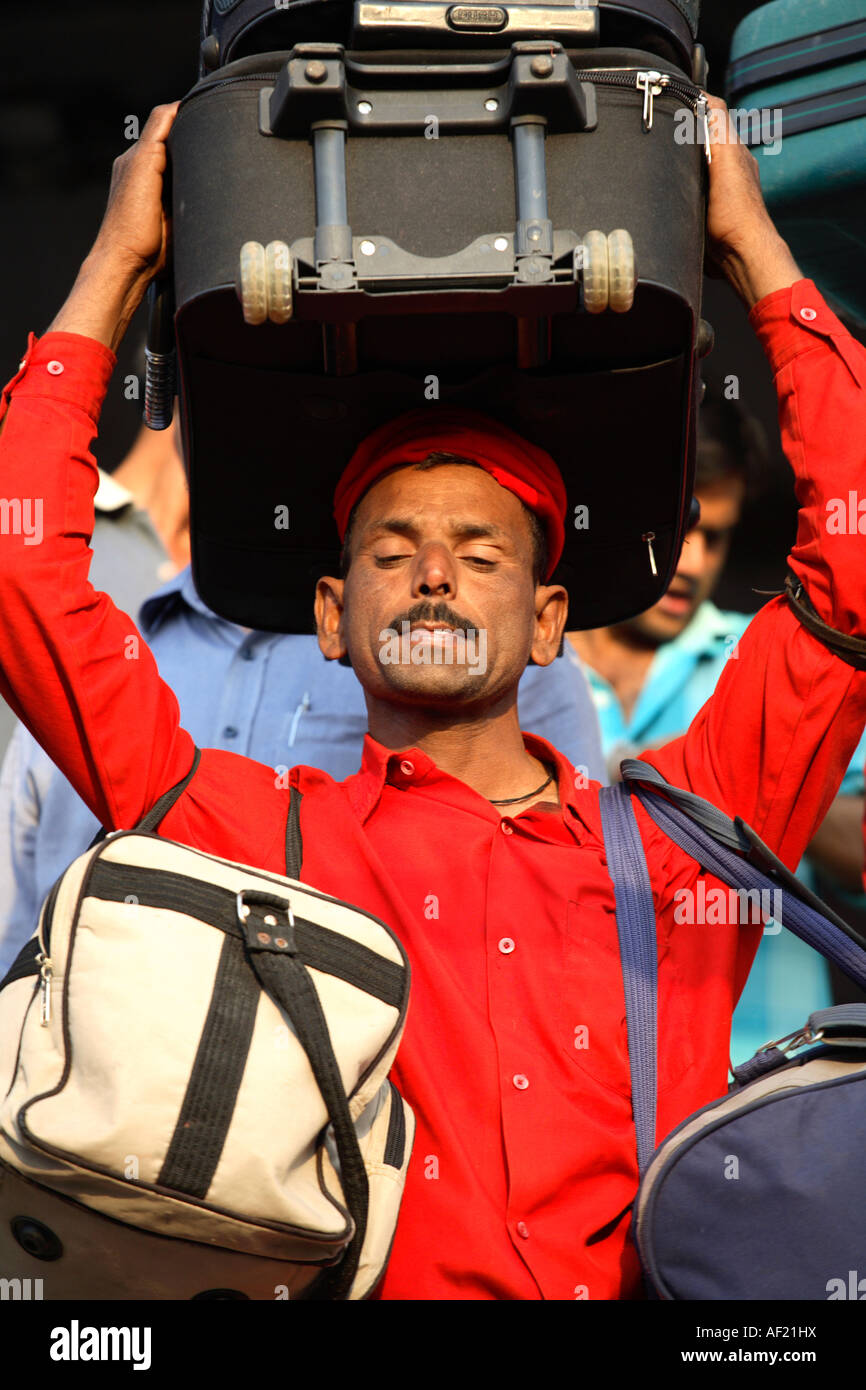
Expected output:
{"points": [[741, 238]]}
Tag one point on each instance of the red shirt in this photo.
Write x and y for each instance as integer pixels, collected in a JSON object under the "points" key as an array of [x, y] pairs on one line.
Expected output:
{"points": [[525, 1151]]}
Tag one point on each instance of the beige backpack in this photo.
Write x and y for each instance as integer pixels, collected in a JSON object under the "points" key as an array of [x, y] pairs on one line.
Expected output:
{"points": [[193, 1059]]}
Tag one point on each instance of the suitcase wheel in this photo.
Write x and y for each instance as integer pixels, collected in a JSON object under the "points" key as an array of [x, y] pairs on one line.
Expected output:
{"points": [[278, 273], [609, 277], [595, 273], [621, 276], [252, 287], [264, 283]]}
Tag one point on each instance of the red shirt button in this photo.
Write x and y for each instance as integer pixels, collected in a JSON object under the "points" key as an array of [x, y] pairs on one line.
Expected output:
{"points": [[520, 1081], [506, 945], [55, 368], [523, 1230], [507, 828], [808, 314], [407, 768]]}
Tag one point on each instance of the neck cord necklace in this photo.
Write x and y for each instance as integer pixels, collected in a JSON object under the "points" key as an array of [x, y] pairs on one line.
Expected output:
{"points": [[510, 800]]}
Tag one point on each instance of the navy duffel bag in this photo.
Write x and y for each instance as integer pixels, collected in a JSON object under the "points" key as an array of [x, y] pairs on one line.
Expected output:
{"points": [[758, 1195]]}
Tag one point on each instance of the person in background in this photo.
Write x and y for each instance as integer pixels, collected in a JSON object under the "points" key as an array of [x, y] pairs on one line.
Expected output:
{"points": [[269, 696], [651, 675]]}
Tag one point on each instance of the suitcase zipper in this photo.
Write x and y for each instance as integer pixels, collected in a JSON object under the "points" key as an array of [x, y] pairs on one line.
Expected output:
{"points": [[647, 80], [653, 83], [201, 91]]}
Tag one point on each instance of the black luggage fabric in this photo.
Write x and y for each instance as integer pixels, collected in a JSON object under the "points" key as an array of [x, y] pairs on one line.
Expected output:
{"points": [[271, 412]]}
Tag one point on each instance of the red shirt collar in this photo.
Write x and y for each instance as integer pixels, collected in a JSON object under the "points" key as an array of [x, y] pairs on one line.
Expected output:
{"points": [[410, 767]]}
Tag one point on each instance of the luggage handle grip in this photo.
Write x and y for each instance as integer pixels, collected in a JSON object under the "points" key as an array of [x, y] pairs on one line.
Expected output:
{"points": [[534, 80]]}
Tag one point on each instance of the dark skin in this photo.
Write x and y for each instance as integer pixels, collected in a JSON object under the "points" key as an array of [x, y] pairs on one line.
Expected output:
{"points": [[450, 537]]}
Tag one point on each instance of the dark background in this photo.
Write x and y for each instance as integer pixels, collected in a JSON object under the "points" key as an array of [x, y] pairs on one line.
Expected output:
{"points": [[71, 74]]}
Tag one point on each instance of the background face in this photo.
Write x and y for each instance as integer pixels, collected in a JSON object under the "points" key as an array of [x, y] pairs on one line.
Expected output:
{"points": [[704, 553], [444, 546]]}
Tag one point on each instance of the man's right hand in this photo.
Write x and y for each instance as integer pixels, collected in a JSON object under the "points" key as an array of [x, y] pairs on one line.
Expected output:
{"points": [[134, 227], [131, 245]]}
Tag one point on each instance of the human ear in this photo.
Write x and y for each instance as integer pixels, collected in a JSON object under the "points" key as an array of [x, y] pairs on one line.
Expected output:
{"points": [[328, 611], [551, 615]]}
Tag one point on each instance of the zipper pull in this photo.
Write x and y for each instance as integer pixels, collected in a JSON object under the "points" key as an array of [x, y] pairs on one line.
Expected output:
{"points": [[651, 84], [649, 537], [702, 112], [45, 974]]}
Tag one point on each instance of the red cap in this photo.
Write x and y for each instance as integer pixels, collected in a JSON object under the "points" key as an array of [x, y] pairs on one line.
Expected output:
{"points": [[517, 465]]}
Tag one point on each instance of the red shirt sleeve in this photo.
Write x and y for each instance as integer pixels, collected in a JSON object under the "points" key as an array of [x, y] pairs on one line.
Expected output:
{"points": [[773, 742], [72, 666]]}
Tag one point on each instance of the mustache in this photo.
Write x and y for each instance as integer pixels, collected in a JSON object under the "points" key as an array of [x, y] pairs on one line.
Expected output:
{"points": [[433, 613]]}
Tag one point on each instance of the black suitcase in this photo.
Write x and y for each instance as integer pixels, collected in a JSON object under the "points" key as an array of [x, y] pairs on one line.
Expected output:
{"points": [[427, 212]]}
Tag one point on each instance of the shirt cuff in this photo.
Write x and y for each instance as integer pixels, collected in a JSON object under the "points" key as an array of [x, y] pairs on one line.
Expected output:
{"points": [[788, 322], [63, 367]]}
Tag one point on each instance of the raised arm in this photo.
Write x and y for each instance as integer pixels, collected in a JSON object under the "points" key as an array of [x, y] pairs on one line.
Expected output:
{"points": [[72, 666], [773, 742]]}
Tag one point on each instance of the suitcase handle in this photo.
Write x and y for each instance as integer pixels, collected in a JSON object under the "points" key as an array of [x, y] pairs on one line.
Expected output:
{"points": [[534, 79]]}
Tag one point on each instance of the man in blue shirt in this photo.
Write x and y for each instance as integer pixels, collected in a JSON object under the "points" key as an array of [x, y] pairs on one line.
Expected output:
{"points": [[268, 696], [651, 675]]}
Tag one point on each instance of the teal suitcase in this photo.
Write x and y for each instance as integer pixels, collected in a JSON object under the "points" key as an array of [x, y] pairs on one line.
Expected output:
{"points": [[802, 65]]}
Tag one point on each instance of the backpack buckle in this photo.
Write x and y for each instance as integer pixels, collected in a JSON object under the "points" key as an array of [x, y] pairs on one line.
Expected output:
{"points": [[800, 1038], [259, 916]]}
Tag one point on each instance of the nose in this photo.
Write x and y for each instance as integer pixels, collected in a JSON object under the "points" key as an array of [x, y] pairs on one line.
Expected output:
{"points": [[694, 555], [434, 573]]}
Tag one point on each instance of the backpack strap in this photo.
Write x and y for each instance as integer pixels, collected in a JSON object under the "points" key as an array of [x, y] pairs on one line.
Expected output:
{"points": [[274, 960], [636, 930], [160, 808], [707, 834], [731, 851], [294, 842]]}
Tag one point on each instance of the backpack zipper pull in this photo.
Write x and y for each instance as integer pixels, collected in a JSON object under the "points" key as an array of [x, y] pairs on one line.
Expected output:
{"points": [[651, 84], [45, 975], [649, 537]]}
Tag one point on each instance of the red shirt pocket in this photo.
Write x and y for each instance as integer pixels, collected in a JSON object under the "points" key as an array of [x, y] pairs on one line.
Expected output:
{"points": [[592, 1004]]}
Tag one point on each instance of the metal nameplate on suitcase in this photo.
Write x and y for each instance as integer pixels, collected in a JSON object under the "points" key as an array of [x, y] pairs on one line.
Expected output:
{"points": [[576, 24]]}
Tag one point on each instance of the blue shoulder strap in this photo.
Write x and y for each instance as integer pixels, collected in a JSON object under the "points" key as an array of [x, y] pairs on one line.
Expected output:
{"points": [[730, 851], [636, 929]]}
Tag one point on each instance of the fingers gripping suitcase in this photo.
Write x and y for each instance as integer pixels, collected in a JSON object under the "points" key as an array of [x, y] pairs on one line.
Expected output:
{"points": [[360, 230], [797, 81]]}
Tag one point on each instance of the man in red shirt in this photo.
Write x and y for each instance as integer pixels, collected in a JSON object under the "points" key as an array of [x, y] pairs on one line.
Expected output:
{"points": [[514, 1056]]}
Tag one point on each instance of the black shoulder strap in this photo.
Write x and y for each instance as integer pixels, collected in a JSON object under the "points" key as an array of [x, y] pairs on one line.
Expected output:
{"points": [[294, 843], [842, 644], [161, 808]]}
